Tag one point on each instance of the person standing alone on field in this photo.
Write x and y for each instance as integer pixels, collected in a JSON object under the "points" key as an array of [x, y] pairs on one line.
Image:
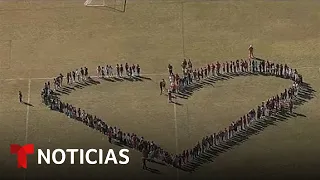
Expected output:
{"points": [[20, 97], [145, 153], [170, 96], [250, 52], [170, 69], [162, 86]]}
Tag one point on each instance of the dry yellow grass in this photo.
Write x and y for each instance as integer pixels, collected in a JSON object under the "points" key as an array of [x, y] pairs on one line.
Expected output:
{"points": [[43, 38]]}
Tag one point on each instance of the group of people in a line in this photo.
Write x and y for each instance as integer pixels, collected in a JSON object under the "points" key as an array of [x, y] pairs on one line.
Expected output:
{"points": [[119, 71], [150, 150], [281, 103], [277, 104], [77, 76], [191, 75]]}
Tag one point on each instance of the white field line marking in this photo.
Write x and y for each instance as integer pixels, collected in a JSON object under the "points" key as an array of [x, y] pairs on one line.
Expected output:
{"points": [[49, 78], [306, 67], [176, 131], [175, 125], [27, 121], [28, 109]]}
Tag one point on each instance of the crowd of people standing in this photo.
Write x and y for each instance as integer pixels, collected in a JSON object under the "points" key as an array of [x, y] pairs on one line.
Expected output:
{"points": [[190, 74], [277, 104], [120, 70], [281, 103]]}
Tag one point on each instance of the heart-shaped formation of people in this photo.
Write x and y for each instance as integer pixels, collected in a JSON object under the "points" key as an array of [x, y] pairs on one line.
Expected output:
{"points": [[188, 160]]}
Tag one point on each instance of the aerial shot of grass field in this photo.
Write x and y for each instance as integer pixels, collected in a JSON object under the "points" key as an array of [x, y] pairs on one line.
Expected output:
{"points": [[39, 39]]}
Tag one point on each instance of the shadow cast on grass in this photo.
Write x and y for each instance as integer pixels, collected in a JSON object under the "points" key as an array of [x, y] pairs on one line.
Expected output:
{"points": [[152, 170], [188, 90], [108, 7], [67, 89], [28, 104], [305, 94]]}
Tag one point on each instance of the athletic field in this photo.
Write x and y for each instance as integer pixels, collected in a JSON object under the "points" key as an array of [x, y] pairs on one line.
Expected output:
{"points": [[40, 39]]}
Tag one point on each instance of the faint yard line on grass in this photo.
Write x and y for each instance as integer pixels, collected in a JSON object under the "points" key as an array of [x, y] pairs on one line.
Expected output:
{"points": [[175, 126], [176, 131], [28, 109], [174, 105], [307, 67], [27, 122], [182, 30], [10, 53]]}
